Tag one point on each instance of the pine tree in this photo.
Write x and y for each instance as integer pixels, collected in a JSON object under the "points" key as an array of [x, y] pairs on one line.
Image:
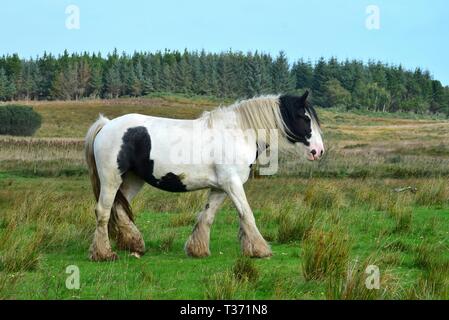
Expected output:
{"points": [[183, 76], [47, 67], [28, 84], [83, 78], [266, 80], [166, 78], [303, 74], [113, 82], [320, 77], [95, 85], [282, 81], [65, 83], [225, 73], [4, 83], [252, 76]]}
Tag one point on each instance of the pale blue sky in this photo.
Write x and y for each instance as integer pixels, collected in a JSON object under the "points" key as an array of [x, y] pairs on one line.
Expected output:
{"points": [[412, 33]]}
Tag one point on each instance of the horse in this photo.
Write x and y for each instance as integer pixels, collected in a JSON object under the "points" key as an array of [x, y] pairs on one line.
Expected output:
{"points": [[124, 153]]}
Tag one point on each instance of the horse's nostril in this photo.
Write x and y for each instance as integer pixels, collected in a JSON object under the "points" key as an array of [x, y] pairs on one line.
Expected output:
{"points": [[321, 153], [313, 152]]}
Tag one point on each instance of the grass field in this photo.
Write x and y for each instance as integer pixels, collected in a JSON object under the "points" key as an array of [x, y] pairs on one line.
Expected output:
{"points": [[326, 222]]}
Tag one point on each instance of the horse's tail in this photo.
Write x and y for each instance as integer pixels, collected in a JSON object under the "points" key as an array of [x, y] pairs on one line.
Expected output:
{"points": [[120, 199], [90, 156]]}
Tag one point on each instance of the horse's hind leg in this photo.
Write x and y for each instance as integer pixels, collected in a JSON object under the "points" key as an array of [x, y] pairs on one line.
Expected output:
{"points": [[198, 243], [129, 237], [100, 249]]}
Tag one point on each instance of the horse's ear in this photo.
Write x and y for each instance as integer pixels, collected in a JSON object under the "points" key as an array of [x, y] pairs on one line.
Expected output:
{"points": [[304, 96]]}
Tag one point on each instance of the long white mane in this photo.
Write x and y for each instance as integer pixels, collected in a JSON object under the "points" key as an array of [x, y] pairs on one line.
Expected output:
{"points": [[257, 113]]}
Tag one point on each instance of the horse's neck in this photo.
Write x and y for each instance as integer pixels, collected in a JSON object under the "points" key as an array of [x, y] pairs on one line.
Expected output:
{"points": [[244, 115]]}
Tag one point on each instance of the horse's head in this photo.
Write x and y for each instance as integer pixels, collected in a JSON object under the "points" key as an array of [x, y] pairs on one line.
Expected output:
{"points": [[302, 124]]}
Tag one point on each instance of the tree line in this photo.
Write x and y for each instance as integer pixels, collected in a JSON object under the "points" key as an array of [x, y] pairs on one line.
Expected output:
{"points": [[349, 84]]}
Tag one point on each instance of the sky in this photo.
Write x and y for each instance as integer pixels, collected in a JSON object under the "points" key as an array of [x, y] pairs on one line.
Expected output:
{"points": [[413, 33]]}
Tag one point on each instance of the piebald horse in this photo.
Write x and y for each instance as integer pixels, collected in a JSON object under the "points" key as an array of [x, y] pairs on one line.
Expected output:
{"points": [[124, 153]]}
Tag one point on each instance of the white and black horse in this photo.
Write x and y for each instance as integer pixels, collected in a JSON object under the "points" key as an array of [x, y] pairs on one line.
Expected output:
{"points": [[124, 153]]}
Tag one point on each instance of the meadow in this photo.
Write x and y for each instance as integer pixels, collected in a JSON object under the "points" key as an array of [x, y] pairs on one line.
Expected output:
{"points": [[379, 197]]}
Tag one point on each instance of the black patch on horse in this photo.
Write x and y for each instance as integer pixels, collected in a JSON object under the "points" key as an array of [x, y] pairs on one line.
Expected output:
{"points": [[293, 112], [134, 156]]}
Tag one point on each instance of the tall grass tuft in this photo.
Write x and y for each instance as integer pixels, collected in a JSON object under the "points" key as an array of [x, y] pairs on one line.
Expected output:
{"points": [[182, 219], [20, 250], [166, 241], [295, 223], [433, 193], [356, 284], [433, 282], [8, 283], [245, 269], [322, 195], [38, 221], [222, 286], [426, 255], [325, 253], [402, 215]]}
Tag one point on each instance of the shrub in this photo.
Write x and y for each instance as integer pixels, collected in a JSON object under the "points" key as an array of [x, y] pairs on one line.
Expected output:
{"points": [[19, 120]]}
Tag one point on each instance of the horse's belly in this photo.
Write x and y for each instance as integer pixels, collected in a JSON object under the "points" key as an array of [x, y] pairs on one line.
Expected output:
{"points": [[182, 178]]}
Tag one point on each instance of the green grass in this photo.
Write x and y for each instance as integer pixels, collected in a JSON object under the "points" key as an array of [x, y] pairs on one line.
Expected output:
{"points": [[44, 231]]}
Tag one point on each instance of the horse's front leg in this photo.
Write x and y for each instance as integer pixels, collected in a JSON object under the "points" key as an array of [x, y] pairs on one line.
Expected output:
{"points": [[198, 243], [252, 242]]}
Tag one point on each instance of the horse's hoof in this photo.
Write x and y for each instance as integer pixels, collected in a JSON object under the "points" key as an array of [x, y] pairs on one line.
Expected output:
{"points": [[258, 254], [111, 256], [196, 249], [260, 249], [198, 254], [134, 245]]}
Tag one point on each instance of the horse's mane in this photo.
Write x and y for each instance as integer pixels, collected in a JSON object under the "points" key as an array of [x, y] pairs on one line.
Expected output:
{"points": [[257, 113]]}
